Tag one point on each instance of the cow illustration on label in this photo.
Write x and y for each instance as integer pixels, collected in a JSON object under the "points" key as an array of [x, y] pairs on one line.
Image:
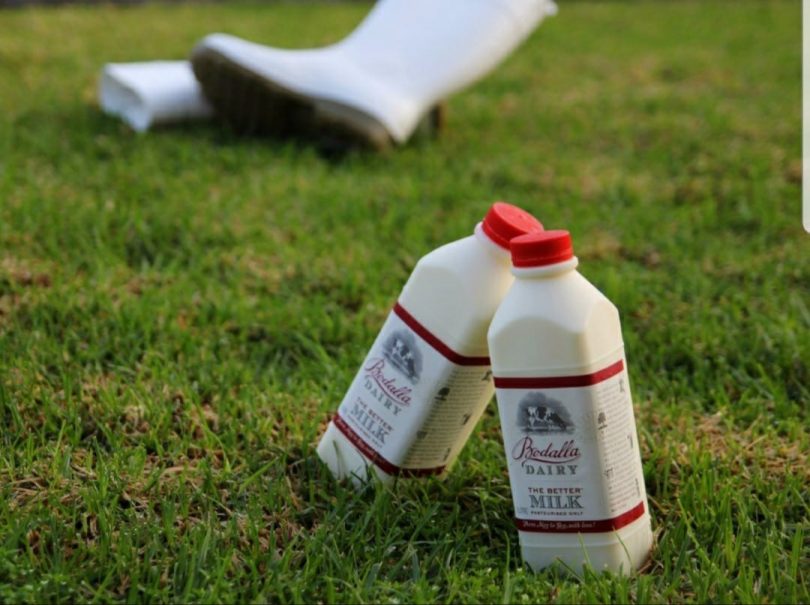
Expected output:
{"points": [[401, 352], [539, 414]]}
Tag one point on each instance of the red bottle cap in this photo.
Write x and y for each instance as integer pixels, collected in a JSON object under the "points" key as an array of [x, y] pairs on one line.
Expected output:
{"points": [[505, 221], [541, 249]]}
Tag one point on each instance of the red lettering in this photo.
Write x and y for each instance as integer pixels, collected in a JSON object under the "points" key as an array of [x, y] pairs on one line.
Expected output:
{"points": [[400, 393], [525, 451]]}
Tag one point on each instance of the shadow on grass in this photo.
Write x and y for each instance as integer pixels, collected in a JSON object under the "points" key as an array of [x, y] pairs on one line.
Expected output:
{"points": [[78, 124], [482, 514]]}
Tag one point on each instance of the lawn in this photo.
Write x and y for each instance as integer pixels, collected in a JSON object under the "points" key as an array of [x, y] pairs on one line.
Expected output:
{"points": [[181, 312]]}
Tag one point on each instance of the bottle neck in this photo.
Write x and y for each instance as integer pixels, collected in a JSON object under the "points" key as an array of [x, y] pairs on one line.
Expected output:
{"points": [[546, 271], [502, 254]]}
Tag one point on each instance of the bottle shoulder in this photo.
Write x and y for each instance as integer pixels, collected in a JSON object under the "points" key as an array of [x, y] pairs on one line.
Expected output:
{"points": [[568, 299], [563, 323], [454, 292], [461, 253]]}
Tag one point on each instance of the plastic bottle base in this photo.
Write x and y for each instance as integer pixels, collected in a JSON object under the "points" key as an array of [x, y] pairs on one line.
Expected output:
{"points": [[344, 461], [621, 552]]}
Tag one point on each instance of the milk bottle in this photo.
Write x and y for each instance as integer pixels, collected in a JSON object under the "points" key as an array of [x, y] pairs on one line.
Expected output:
{"points": [[566, 414], [427, 379]]}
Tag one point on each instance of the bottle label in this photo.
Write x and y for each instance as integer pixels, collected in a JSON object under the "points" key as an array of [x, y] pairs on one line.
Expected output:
{"points": [[414, 400], [572, 451]]}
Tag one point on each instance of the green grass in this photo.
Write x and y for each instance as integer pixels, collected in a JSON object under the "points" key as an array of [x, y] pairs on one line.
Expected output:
{"points": [[180, 312]]}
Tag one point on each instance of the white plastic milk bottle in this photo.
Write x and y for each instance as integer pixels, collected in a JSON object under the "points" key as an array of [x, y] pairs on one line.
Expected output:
{"points": [[566, 415], [427, 378]]}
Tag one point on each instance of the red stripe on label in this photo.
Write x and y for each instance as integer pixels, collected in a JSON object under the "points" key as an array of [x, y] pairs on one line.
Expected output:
{"points": [[581, 527], [377, 458], [560, 382], [420, 472], [433, 341]]}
